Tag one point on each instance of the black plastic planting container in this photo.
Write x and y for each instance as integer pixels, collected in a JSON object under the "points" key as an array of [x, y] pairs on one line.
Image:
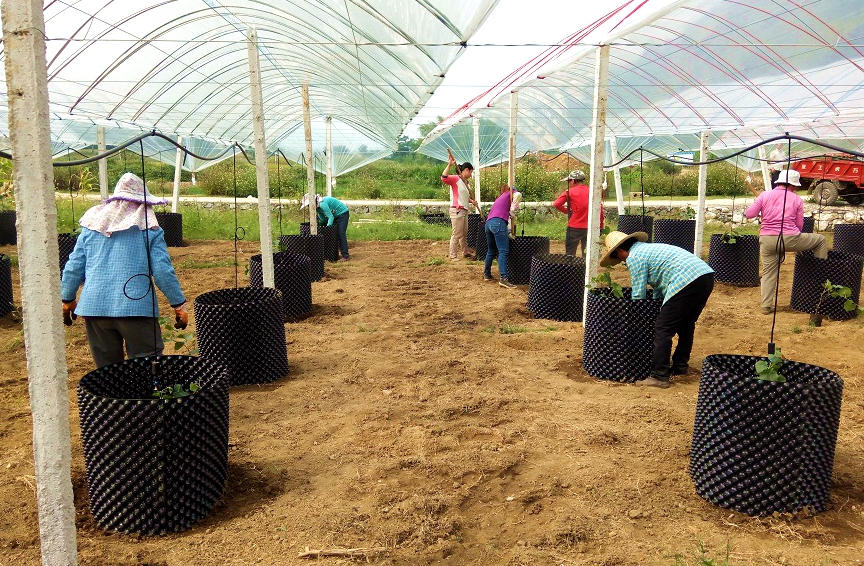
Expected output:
{"points": [[6, 305], [436, 218], [476, 228], [735, 263], [154, 465], [849, 238], [557, 287], [172, 224], [243, 330], [291, 272], [681, 233], [619, 335], [330, 242], [522, 249], [310, 246], [810, 275], [8, 234], [809, 224], [65, 244], [761, 447], [630, 223]]}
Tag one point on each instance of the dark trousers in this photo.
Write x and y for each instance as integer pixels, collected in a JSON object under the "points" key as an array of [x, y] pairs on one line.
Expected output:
{"points": [[574, 237], [106, 336], [679, 316], [341, 223]]}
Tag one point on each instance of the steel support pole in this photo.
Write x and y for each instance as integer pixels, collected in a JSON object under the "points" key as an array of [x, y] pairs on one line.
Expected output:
{"points": [[616, 174], [261, 174], [598, 147], [103, 163], [329, 156], [702, 191], [476, 158], [511, 163], [310, 164], [178, 169], [38, 261]]}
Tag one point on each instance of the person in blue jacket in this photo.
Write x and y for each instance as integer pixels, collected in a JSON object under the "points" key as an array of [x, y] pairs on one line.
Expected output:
{"points": [[332, 211], [110, 258]]}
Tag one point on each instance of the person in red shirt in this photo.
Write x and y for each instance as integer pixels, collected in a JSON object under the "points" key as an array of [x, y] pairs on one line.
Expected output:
{"points": [[574, 203]]}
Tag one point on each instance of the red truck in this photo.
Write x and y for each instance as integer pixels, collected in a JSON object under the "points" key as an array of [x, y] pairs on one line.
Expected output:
{"points": [[831, 177]]}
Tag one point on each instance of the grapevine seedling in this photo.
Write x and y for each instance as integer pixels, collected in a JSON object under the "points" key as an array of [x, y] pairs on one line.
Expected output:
{"points": [[770, 370], [175, 391], [605, 280]]}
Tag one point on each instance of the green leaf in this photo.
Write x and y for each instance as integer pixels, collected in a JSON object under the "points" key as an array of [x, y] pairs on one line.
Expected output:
{"points": [[845, 292], [178, 344], [849, 305], [761, 366]]}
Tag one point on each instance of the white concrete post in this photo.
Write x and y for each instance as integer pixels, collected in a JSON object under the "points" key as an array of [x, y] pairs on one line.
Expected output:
{"points": [[329, 156], [178, 169], [476, 158], [261, 174], [511, 164], [44, 340], [616, 173], [598, 147], [310, 164], [702, 191], [194, 182], [103, 163], [763, 164]]}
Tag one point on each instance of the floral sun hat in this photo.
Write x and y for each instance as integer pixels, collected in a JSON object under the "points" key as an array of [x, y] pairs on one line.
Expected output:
{"points": [[130, 188]]}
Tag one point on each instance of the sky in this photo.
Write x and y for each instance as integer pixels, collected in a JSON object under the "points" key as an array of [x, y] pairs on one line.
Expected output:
{"points": [[512, 22]]}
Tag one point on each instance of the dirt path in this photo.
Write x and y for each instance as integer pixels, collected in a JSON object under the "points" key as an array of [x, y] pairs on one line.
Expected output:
{"points": [[427, 412]]}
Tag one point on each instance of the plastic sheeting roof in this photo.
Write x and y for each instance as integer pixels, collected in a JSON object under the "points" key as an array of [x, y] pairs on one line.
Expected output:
{"points": [[696, 65], [181, 66]]}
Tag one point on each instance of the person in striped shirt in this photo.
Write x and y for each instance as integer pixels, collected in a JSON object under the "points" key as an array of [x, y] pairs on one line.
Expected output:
{"points": [[683, 281], [460, 198]]}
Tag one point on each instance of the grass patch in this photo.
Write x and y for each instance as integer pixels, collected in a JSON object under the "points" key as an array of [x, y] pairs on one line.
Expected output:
{"points": [[196, 264], [488, 329], [435, 261], [512, 329], [701, 557]]}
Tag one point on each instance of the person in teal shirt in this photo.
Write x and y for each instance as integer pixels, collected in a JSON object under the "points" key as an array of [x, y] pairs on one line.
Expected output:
{"points": [[332, 212]]}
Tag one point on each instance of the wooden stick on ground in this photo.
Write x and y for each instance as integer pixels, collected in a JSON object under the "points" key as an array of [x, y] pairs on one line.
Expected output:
{"points": [[310, 553]]}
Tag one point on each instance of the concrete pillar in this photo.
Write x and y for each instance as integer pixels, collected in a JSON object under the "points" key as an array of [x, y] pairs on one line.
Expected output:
{"points": [[329, 150], [763, 164], [476, 158], [702, 191], [511, 163], [38, 260], [616, 173], [310, 163], [178, 169], [103, 163]]}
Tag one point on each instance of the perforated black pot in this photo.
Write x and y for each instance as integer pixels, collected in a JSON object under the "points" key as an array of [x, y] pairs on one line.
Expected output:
{"points": [[629, 223], [310, 246], [6, 305], [436, 218], [330, 245], [291, 272], [681, 233], [153, 465], [8, 234], [762, 446], [172, 224], [475, 230], [809, 224], [810, 275], [849, 238], [65, 243], [557, 287], [243, 330], [522, 249], [619, 335], [735, 263]]}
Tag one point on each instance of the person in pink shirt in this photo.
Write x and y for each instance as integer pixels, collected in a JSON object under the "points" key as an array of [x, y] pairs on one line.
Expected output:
{"points": [[782, 219], [460, 198]]}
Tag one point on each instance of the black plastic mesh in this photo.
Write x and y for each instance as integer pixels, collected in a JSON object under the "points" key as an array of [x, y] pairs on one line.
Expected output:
{"points": [[849, 238], [810, 275], [436, 218], [291, 272], [619, 335], [629, 223], [681, 233], [8, 234], [65, 243], [760, 446], [6, 305], [557, 287], [330, 242], [172, 224], [809, 223], [244, 330], [736, 263], [522, 249], [154, 466], [310, 246]]}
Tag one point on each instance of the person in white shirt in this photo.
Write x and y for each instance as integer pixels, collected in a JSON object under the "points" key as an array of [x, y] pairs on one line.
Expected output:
{"points": [[460, 198]]}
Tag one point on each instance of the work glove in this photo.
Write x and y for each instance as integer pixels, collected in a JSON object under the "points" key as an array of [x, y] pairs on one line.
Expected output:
{"points": [[181, 317], [69, 312]]}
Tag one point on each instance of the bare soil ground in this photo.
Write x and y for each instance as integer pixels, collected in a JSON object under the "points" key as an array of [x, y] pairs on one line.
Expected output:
{"points": [[410, 421]]}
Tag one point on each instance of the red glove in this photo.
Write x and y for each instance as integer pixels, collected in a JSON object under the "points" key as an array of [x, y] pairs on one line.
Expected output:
{"points": [[69, 312], [181, 317]]}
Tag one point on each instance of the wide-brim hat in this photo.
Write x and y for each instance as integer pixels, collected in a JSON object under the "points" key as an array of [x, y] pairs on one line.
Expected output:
{"points": [[575, 175], [130, 188], [304, 202], [614, 240], [789, 177]]}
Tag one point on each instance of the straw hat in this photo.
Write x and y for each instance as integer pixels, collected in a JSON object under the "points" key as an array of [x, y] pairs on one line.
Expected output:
{"points": [[130, 188], [613, 242]]}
